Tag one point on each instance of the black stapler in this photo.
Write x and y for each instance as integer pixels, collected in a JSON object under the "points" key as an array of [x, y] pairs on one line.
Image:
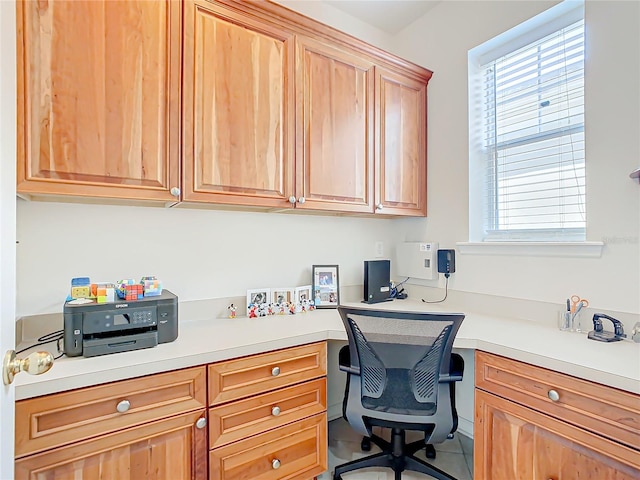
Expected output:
{"points": [[601, 335]]}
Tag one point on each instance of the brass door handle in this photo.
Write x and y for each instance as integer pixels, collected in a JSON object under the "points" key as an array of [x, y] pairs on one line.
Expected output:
{"points": [[35, 364]]}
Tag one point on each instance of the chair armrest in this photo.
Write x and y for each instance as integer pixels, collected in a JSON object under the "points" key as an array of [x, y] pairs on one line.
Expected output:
{"points": [[456, 367], [344, 361]]}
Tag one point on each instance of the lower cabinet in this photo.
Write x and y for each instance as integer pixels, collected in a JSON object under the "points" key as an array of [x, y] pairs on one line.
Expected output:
{"points": [[268, 415], [532, 423], [264, 418], [169, 449], [143, 428]]}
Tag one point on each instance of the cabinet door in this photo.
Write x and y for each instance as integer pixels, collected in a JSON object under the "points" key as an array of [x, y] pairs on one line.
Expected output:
{"points": [[99, 84], [401, 155], [334, 101], [238, 108], [515, 442], [165, 450]]}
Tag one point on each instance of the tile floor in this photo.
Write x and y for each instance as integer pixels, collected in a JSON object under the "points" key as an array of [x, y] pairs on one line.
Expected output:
{"points": [[453, 456]]}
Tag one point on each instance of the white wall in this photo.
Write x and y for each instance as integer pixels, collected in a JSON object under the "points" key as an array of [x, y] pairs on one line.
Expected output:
{"points": [[199, 254], [440, 41]]}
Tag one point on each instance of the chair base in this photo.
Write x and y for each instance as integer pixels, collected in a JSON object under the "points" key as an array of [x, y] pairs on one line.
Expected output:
{"points": [[397, 455]]}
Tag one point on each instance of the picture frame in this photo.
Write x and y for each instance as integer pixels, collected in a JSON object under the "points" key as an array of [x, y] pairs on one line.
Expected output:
{"points": [[258, 296], [283, 294], [326, 286], [303, 294]]}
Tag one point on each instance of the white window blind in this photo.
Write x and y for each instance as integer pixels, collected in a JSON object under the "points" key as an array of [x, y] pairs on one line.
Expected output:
{"points": [[533, 138]]}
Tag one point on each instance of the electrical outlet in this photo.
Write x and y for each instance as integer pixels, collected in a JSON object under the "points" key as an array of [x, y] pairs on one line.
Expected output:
{"points": [[379, 249]]}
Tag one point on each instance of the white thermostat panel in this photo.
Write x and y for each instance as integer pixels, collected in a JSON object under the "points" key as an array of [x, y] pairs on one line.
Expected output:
{"points": [[417, 260]]}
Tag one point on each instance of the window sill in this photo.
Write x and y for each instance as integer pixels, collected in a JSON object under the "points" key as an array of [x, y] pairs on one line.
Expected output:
{"points": [[533, 249]]}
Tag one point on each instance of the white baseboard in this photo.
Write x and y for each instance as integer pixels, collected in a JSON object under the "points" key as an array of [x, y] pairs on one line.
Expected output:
{"points": [[334, 411], [465, 427]]}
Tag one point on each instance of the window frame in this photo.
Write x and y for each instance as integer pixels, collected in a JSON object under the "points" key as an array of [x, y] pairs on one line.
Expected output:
{"points": [[524, 34]]}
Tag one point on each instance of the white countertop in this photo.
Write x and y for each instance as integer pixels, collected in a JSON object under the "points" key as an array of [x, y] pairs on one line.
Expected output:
{"points": [[200, 342]]}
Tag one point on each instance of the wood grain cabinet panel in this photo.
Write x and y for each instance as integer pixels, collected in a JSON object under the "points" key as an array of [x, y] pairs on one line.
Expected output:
{"points": [[401, 155], [600, 409], [99, 90], [169, 449], [237, 420], [533, 423], [256, 374], [47, 422], [295, 451], [238, 116], [334, 101], [515, 442]]}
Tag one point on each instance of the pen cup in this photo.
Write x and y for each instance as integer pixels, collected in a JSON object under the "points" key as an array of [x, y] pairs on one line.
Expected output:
{"points": [[564, 321], [576, 325]]}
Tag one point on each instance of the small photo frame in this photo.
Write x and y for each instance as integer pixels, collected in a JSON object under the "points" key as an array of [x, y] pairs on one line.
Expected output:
{"points": [[326, 286], [280, 296], [258, 296], [303, 294]]}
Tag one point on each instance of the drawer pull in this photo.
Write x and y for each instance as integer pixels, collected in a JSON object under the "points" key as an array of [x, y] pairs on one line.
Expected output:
{"points": [[275, 464], [123, 406], [275, 411], [201, 423], [275, 371], [553, 395]]}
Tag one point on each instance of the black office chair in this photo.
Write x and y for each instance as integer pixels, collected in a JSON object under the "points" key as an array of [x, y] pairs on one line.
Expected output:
{"points": [[400, 376]]}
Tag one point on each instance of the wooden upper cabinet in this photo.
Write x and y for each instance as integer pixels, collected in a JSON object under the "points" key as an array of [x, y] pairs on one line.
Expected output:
{"points": [[238, 118], [401, 162], [98, 90], [334, 129]]}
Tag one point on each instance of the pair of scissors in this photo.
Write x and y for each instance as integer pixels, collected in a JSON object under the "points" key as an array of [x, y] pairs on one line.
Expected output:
{"points": [[577, 301]]}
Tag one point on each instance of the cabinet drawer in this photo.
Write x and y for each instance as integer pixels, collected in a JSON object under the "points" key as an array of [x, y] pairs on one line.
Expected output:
{"points": [[243, 418], [600, 409], [295, 451], [54, 420], [249, 376]]}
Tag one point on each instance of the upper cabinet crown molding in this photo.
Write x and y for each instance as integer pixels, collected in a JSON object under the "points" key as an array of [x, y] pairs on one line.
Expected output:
{"points": [[216, 102], [309, 27]]}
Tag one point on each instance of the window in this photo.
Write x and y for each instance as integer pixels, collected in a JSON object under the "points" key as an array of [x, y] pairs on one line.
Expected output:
{"points": [[527, 139]]}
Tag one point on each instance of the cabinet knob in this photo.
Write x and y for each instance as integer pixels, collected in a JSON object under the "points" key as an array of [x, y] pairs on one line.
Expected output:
{"points": [[275, 464], [175, 191], [301, 200], [123, 406], [35, 364], [553, 395], [201, 423], [292, 199], [275, 371], [379, 206], [275, 411]]}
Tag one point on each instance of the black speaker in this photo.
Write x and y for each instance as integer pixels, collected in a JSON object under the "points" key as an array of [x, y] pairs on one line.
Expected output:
{"points": [[446, 261], [377, 278]]}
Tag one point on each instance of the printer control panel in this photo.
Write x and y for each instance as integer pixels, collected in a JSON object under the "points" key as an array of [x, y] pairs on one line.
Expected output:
{"points": [[100, 322]]}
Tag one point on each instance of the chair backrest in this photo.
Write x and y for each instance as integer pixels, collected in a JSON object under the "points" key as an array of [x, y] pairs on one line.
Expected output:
{"points": [[401, 356]]}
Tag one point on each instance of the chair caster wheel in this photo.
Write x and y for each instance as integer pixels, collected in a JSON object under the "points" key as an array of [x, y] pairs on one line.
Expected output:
{"points": [[365, 445], [430, 451]]}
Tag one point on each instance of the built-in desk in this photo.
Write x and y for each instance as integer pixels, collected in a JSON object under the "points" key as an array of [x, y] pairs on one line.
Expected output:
{"points": [[218, 341], [203, 342]]}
